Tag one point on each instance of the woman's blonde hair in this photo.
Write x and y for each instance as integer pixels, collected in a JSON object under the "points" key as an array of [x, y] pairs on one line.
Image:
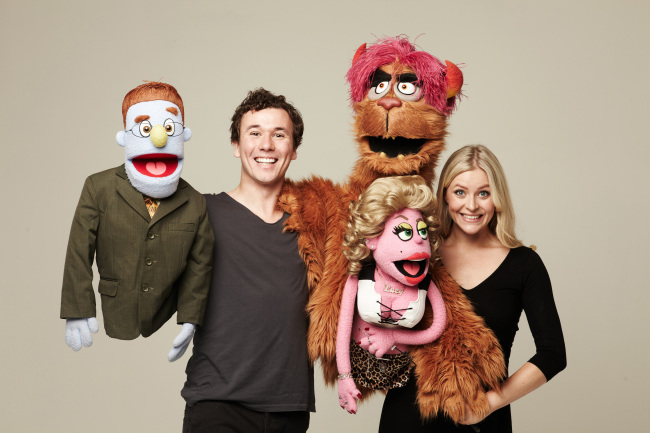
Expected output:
{"points": [[468, 158], [383, 198]]}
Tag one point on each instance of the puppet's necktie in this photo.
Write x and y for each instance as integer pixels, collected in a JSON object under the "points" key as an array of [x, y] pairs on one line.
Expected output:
{"points": [[151, 204]]}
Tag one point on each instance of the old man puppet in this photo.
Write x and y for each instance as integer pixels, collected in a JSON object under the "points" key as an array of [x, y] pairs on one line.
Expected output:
{"points": [[147, 228]]}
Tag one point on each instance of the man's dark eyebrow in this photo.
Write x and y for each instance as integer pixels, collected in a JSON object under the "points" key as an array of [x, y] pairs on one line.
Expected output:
{"points": [[407, 78], [378, 77]]}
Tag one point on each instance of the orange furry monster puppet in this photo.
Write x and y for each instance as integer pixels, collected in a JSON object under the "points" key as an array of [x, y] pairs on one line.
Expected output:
{"points": [[401, 99]]}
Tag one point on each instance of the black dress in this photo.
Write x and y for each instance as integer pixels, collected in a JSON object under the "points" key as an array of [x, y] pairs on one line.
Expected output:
{"points": [[520, 283]]}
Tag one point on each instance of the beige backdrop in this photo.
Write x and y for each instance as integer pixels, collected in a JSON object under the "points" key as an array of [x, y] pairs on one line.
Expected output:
{"points": [[558, 89]]}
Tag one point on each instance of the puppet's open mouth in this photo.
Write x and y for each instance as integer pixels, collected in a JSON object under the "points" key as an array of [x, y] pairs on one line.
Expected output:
{"points": [[413, 269], [156, 164], [393, 147]]}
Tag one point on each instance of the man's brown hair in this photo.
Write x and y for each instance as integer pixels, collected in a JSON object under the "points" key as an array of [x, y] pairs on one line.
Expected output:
{"points": [[260, 99]]}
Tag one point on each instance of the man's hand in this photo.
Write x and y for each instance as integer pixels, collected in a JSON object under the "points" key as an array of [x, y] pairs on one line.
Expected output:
{"points": [[77, 332], [181, 342]]}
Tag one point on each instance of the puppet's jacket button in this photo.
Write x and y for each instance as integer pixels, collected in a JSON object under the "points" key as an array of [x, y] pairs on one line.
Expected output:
{"points": [[148, 261], [145, 288], [150, 235]]}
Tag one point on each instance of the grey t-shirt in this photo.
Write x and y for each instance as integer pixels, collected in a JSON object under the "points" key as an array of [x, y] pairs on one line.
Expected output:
{"points": [[252, 347]]}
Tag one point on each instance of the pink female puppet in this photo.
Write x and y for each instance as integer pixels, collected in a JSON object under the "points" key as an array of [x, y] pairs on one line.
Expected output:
{"points": [[389, 242]]}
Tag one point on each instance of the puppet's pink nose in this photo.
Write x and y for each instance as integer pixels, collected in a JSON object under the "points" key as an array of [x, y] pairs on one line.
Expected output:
{"points": [[388, 103]]}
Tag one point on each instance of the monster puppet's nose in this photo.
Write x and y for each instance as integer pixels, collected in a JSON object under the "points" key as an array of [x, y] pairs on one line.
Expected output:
{"points": [[158, 136], [388, 102]]}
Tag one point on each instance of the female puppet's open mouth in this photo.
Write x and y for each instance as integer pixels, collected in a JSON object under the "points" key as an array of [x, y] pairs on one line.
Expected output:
{"points": [[413, 268], [156, 164]]}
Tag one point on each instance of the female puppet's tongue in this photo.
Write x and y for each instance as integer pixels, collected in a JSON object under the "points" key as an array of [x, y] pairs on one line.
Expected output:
{"points": [[411, 267], [156, 164]]}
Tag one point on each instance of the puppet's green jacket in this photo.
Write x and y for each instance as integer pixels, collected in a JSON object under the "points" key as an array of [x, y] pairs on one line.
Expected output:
{"points": [[148, 267]]}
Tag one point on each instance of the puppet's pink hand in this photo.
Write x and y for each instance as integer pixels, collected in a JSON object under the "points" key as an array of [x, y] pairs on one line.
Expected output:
{"points": [[348, 395], [378, 340]]}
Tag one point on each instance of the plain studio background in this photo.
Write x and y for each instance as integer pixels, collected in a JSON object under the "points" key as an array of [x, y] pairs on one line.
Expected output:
{"points": [[558, 90]]}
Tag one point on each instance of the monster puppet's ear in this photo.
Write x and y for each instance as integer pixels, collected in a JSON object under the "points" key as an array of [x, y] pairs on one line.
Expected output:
{"points": [[454, 79], [360, 50]]}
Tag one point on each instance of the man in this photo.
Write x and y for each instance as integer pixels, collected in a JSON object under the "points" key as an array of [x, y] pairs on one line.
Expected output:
{"points": [[250, 371], [146, 225]]}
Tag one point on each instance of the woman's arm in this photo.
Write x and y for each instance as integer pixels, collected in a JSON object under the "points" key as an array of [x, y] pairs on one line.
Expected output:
{"points": [[524, 381], [544, 323]]}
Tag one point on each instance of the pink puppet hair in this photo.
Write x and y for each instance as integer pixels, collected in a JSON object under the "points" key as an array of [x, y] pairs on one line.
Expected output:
{"points": [[431, 72]]}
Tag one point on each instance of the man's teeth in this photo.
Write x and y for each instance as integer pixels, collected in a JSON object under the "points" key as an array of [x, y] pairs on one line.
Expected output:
{"points": [[266, 160]]}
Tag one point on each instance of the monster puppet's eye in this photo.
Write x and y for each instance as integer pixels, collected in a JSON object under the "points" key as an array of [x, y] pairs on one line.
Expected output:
{"points": [[379, 90], [406, 88], [169, 127], [404, 231], [145, 128], [381, 87], [423, 229]]}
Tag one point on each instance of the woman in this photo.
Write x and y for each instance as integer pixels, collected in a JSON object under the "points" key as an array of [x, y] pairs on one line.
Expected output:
{"points": [[500, 277]]}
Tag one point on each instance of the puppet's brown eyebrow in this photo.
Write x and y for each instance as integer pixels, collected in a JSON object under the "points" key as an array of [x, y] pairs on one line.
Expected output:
{"points": [[401, 216], [379, 77], [173, 110], [141, 118]]}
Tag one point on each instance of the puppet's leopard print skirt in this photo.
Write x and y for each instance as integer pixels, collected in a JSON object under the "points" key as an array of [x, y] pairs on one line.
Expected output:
{"points": [[391, 371]]}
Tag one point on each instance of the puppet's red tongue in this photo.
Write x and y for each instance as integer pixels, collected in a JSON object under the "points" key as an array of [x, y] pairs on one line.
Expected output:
{"points": [[156, 164], [412, 267]]}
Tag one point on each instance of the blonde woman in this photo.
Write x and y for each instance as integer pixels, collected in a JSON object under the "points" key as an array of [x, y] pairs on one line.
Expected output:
{"points": [[501, 278]]}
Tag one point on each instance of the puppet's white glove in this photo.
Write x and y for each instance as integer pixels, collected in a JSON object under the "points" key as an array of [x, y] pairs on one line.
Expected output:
{"points": [[77, 332], [181, 342]]}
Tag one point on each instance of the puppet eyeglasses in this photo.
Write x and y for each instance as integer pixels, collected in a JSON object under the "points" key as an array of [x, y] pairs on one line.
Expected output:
{"points": [[143, 129]]}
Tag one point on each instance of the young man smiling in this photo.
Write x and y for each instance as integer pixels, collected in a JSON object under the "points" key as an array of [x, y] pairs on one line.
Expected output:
{"points": [[249, 371], [264, 142]]}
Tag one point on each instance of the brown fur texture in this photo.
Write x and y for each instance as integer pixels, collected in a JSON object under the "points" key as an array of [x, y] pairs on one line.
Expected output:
{"points": [[463, 363], [466, 360]]}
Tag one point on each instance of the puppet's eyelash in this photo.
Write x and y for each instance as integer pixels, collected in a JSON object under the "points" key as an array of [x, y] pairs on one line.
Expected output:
{"points": [[399, 229]]}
